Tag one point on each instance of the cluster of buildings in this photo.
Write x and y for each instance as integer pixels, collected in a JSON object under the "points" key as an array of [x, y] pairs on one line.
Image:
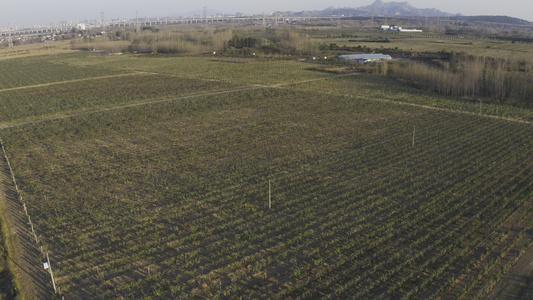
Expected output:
{"points": [[398, 28]]}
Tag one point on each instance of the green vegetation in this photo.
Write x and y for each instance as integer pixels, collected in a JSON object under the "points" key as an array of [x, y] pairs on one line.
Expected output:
{"points": [[40, 70], [7, 283], [234, 70], [146, 176], [26, 104]]}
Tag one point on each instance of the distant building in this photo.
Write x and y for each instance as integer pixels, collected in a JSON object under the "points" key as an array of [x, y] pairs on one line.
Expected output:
{"points": [[82, 26], [410, 30], [391, 27], [364, 58], [398, 28]]}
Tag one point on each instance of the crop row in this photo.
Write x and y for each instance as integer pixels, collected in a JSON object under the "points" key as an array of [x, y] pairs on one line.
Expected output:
{"points": [[96, 94], [226, 69], [378, 87], [41, 70], [179, 207]]}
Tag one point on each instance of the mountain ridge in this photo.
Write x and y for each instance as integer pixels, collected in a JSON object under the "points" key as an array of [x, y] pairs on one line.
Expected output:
{"points": [[378, 8]]}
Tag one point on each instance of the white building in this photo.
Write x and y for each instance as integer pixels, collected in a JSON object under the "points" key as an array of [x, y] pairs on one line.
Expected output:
{"points": [[398, 28], [410, 30]]}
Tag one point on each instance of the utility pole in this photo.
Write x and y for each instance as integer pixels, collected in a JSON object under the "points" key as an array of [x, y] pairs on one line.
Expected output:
{"points": [[137, 24], [269, 195], [104, 31], [10, 41], [414, 131], [51, 274]]}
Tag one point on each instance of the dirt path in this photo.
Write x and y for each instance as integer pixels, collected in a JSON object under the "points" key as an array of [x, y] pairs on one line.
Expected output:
{"points": [[99, 110], [450, 110], [67, 81], [238, 89], [24, 255], [133, 72]]}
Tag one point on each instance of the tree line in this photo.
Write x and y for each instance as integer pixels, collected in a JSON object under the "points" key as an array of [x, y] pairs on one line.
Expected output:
{"points": [[228, 39], [507, 81]]}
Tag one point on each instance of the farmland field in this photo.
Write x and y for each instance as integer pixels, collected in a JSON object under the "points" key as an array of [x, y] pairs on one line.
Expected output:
{"points": [[378, 190], [40, 70], [52, 100], [470, 44]]}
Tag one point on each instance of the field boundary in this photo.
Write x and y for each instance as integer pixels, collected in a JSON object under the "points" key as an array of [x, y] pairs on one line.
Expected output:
{"points": [[279, 85], [68, 81], [517, 279], [24, 256], [411, 104], [88, 112], [449, 110], [242, 89]]}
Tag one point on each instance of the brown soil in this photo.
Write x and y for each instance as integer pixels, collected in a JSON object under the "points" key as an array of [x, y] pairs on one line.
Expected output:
{"points": [[518, 282], [18, 51]]}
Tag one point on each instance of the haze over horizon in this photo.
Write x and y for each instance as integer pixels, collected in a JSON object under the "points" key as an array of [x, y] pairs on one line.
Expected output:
{"points": [[35, 12]]}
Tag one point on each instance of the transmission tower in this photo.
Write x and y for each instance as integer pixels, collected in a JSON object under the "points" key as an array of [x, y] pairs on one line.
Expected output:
{"points": [[137, 24], [104, 31], [10, 41], [205, 12]]}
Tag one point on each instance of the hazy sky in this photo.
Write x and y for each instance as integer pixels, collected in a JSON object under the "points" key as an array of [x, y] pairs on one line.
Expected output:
{"points": [[30, 12]]}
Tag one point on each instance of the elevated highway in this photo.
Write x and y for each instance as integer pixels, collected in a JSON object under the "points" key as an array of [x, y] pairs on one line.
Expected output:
{"points": [[39, 30]]}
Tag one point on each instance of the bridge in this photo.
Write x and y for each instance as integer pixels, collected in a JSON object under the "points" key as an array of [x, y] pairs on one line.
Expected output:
{"points": [[40, 30]]}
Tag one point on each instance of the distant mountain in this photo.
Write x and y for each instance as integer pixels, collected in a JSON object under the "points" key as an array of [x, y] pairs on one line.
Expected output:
{"points": [[497, 19], [378, 8]]}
